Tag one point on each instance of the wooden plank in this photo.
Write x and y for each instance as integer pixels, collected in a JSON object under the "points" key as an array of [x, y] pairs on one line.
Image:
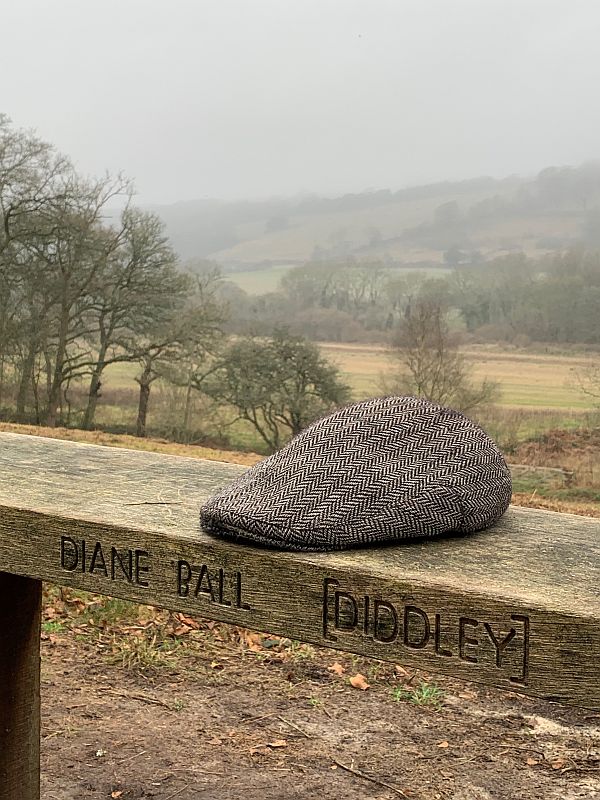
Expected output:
{"points": [[20, 610], [516, 607]]}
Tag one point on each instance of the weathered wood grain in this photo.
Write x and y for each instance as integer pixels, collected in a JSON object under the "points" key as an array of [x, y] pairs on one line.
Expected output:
{"points": [[517, 606], [20, 607]]}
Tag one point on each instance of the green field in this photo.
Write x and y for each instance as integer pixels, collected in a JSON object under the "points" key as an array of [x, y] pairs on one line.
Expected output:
{"points": [[261, 281]]}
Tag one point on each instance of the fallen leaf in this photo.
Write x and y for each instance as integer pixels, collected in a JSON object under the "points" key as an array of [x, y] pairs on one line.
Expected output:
{"points": [[559, 763], [192, 623], [400, 670], [532, 762], [116, 794], [337, 668], [359, 681], [278, 743], [253, 641], [443, 744]]}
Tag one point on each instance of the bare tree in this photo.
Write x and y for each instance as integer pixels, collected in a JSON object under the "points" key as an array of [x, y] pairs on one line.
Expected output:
{"points": [[177, 337], [430, 362], [127, 296], [197, 358], [31, 176]]}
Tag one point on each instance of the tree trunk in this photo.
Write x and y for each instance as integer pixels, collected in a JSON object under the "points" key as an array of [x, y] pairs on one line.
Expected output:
{"points": [[25, 382], [58, 377], [53, 401], [145, 381], [188, 406], [94, 392]]}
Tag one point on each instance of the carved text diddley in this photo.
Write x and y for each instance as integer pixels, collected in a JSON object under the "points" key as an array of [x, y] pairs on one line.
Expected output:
{"points": [[396, 622]]}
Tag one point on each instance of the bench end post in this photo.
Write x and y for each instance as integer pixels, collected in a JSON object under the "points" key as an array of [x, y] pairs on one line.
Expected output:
{"points": [[20, 617]]}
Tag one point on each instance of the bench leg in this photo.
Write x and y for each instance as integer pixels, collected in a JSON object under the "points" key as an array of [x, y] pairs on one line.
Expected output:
{"points": [[20, 614]]}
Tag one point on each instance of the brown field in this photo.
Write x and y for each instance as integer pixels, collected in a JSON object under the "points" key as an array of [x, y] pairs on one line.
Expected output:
{"points": [[527, 380]]}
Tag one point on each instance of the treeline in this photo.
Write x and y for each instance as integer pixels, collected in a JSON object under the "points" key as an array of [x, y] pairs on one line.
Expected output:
{"points": [[571, 191], [463, 222], [510, 299], [87, 281], [83, 286]]}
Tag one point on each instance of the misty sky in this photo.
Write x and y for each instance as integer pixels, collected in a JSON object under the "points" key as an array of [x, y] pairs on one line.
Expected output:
{"points": [[250, 98]]}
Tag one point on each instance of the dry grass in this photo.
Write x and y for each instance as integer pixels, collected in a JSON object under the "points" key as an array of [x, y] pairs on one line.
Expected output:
{"points": [[534, 500], [133, 443], [527, 380]]}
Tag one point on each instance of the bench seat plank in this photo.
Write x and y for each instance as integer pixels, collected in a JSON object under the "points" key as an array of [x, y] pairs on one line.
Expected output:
{"points": [[516, 607]]}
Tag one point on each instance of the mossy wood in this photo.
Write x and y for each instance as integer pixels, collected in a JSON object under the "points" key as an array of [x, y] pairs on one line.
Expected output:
{"points": [[517, 606]]}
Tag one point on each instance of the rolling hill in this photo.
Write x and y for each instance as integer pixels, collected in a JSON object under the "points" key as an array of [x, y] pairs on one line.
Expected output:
{"points": [[433, 225]]}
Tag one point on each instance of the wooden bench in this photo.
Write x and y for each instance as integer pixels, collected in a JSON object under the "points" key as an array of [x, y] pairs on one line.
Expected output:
{"points": [[516, 607]]}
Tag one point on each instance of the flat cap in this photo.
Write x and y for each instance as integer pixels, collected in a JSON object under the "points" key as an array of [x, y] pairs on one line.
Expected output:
{"points": [[387, 469]]}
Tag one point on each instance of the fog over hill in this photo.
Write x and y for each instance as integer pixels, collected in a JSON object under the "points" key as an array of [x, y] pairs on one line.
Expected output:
{"points": [[436, 224]]}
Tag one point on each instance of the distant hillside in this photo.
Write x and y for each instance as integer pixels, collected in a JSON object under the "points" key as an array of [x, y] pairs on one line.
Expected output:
{"points": [[425, 225]]}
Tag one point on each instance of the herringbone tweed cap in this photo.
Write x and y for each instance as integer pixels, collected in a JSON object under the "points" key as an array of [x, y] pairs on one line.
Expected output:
{"points": [[392, 468]]}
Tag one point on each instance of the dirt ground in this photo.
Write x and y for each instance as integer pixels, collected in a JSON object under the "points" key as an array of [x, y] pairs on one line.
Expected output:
{"points": [[232, 721]]}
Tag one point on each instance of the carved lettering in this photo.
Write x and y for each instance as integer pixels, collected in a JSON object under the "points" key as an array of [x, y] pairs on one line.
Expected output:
{"points": [[327, 582], [141, 567], [412, 613], [465, 641], [344, 603], [184, 576], [129, 565], [239, 603], [69, 553], [522, 678], [213, 584], [222, 600], [204, 584], [499, 644], [117, 558], [98, 561], [437, 635], [384, 630], [402, 624]]}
